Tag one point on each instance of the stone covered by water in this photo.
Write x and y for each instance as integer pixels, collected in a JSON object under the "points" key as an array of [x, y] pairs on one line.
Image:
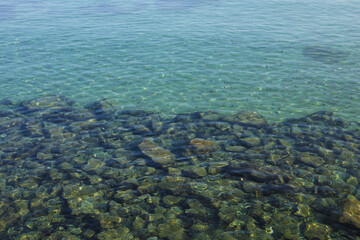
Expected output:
{"points": [[101, 173]]}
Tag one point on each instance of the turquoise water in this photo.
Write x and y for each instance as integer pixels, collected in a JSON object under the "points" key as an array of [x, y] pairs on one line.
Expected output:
{"points": [[182, 56], [176, 120]]}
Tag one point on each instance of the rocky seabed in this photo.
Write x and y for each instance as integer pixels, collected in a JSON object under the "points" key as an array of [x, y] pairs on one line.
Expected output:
{"points": [[96, 172]]}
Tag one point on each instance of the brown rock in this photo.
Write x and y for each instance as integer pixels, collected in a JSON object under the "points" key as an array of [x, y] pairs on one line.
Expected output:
{"points": [[200, 146], [156, 153]]}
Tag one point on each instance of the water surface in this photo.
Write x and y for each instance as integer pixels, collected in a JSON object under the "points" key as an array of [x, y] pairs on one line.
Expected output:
{"points": [[179, 119], [182, 56]]}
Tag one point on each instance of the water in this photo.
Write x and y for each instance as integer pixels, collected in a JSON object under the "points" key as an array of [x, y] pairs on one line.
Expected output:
{"points": [[151, 161], [184, 56]]}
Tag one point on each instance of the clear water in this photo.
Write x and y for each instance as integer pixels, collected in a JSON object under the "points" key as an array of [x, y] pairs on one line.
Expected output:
{"points": [[178, 56], [72, 168]]}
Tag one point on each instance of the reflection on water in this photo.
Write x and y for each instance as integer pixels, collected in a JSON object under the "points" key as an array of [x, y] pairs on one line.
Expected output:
{"points": [[100, 173]]}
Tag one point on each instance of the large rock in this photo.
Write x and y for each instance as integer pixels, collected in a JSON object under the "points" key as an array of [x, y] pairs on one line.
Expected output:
{"points": [[248, 118], [324, 118], [158, 154], [50, 108], [250, 142], [102, 109], [201, 146], [46, 102], [310, 159], [351, 212]]}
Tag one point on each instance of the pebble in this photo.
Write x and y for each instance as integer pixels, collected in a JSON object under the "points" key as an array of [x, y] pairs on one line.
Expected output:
{"points": [[99, 173]]}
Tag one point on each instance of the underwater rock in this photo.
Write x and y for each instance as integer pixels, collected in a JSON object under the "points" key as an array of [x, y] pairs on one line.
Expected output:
{"points": [[247, 118], [351, 212], [216, 167], [140, 129], [158, 154], [138, 223], [88, 173], [325, 54], [199, 171], [52, 102], [157, 125], [90, 124], [235, 148], [250, 142], [256, 172], [201, 146], [208, 115], [22, 207], [326, 153], [147, 188], [321, 118], [194, 171], [79, 115], [172, 229], [302, 210], [309, 159], [113, 234], [6, 102], [109, 221], [102, 109], [173, 183], [288, 226], [315, 230], [7, 115], [93, 164], [171, 200], [48, 108]]}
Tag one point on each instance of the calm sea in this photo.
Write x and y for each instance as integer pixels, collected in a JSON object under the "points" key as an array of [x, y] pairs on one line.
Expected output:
{"points": [[281, 58], [180, 119]]}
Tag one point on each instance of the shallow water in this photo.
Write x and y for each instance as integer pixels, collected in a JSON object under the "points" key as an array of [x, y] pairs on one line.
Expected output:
{"points": [[179, 119], [102, 173], [184, 56]]}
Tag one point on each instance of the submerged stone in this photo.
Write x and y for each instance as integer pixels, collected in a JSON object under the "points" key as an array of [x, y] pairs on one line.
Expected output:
{"points": [[250, 141], [199, 171], [248, 118], [171, 200], [302, 210], [351, 212], [102, 109], [197, 175], [201, 146], [325, 54], [315, 230], [157, 154], [235, 148], [48, 102], [310, 159], [79, 115]]}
